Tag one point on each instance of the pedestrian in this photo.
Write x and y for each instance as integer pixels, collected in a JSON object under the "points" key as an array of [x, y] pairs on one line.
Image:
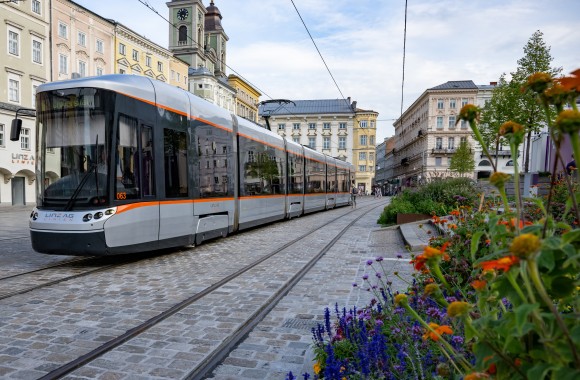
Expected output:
{"points": [[353, 194], [571, 166]]}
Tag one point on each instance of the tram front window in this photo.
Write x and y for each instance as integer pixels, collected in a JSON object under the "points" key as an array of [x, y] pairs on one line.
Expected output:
{"points": [[73, 154]]}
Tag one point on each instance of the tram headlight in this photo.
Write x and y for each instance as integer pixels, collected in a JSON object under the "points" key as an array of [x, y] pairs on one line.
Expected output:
{"points": [[34, 215], [87, 217], [110, 211], [98, 215]]}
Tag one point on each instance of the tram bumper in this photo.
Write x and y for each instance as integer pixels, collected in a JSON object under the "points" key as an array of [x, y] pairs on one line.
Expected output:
{"points": [[83, 243]]}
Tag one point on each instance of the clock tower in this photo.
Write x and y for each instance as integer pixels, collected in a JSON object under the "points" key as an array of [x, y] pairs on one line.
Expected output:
{"points": [[187, 35]]}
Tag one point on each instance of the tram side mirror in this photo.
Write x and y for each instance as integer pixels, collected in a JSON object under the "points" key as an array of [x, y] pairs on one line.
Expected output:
{"points": [[15, 130]]}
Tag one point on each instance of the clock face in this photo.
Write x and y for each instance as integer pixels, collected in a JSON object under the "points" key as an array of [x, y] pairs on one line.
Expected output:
{"points": [[182, 14]]}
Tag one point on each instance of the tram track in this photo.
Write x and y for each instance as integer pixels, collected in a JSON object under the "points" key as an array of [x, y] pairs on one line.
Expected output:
{"points": [[219, 352]]}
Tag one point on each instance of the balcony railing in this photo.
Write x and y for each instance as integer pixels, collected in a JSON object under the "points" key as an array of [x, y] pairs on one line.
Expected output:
{"points": [[443, 150]]}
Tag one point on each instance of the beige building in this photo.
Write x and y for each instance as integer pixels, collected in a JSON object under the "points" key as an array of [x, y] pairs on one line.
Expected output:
{"points": [[363, 157], [427, 134], [83, 43], [25, 64], [247, 98]]}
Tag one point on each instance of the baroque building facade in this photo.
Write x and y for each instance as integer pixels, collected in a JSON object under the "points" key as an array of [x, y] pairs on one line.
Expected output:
{"points": [[364, 141], [247, 98], [25, 64]]}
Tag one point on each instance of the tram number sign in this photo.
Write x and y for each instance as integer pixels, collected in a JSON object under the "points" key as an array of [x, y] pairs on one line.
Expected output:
{"points": [[121, 195]]}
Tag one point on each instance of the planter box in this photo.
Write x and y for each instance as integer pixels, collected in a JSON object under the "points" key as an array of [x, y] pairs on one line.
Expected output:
{"points": [[409, 218]]}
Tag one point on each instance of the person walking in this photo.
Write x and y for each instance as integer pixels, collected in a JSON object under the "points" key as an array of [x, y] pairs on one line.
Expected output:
{"points": [[571, 166], [353, 194]]}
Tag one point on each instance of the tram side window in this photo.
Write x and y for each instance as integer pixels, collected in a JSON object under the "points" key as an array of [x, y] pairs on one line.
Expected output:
{"points": [[331, 179], [316, 178], [215, 150], [147, 167], [127, 165], [175, 156], [296, 174], [261, 169]]}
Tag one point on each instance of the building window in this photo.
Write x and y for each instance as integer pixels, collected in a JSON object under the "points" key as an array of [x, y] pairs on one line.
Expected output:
{"points": [[362, 156], [148, 61], [82, 69], [36, 51], [463, 124], [439, 104], [25, 139], [363, 140], [372, 123], [439, 122], [296, 139], [282, 126], [100, 46], [34, 88], [463, 140], [62, 30], [362, 168], [452, 103], [341, 125], [122, 71], [82, 39], [135, 55], [439, 143], [159, 66], [122, 49], [296, 126], [99, 71], [451, 143], [452, 122], [372, 140], [362, 123], [342, 143], [326, 143], [371, 156], [312, 142], [326, 125], [14, 90], [438, 161], [2, 135], [62, 64], [464, 102], [13, 43], [36, 6], [311, 125], [510, 163]]}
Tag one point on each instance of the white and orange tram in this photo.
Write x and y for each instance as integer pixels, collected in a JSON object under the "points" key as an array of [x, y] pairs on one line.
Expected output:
{"points": [[129, 164]]}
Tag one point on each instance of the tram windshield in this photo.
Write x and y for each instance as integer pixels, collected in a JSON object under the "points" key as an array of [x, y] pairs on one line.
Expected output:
{"points": [[74, 127]]}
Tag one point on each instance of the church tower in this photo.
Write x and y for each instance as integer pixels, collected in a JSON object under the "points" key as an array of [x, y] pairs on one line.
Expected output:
{"points": [[216, 39], [187, 36]]}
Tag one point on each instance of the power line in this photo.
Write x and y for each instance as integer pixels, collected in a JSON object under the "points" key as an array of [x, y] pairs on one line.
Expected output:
{"points": [[404, 52], [319, 53]]}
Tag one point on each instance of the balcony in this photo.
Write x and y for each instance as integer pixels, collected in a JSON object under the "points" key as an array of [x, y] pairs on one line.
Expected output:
{"points": [[439, 150]]}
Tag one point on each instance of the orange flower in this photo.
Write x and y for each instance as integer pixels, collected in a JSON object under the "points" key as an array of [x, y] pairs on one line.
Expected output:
{"points": [[568, 121], [571, 83], [538, 82], [455, 213], [476, 376], [512, 223], [437, 332], [479, 284], [525, 245], [430, 254], [503, 263], [469, 113]]}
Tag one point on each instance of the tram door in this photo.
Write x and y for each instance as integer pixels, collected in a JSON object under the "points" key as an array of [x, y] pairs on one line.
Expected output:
{"points": [[18, 191]]}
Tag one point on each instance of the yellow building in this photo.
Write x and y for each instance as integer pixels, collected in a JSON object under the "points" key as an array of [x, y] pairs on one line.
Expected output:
{"points": [[363, 152], [247, 98], [135, 54]]}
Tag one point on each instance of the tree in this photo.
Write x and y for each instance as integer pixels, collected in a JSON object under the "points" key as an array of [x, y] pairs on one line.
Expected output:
{"points": [[462, 161], [537, 58]]}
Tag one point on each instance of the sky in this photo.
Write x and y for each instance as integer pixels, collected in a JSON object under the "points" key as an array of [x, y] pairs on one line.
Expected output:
{"points": [[362, 43]]}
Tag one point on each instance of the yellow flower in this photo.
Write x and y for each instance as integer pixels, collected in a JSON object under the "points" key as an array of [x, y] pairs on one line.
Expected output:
{"points": [[511, 128], [457, 309], [431, 289], [538, 82], [558, 95], [498, 179], [469, 113], [568, 121], [525, 245], [401, 299], [316, 368]]}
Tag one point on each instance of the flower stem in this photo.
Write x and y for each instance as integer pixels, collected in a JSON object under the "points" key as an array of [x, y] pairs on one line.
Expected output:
{"points": [[537, 281], [514, 152]]}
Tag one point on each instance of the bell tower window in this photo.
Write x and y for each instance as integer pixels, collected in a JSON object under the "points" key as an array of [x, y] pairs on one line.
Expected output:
{"points": [[183, 35]]}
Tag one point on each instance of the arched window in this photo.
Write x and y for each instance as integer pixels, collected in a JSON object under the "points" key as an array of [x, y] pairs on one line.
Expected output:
{"points": [[510, 163], [484, 163], [182, 34]]}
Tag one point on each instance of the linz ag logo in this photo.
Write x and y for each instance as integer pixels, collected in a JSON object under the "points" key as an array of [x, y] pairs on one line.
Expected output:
{"points": [[59, 216]]}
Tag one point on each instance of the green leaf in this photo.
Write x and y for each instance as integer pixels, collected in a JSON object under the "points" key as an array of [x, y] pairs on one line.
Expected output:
{"points": [[546, 260], [539, 371], [522, 312], [575, 334], [571, 236], [475, 243], [567, 374], [552, 242]]}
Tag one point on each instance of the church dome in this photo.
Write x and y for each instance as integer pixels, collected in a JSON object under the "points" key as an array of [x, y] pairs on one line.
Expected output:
{"points": [[213, 18]]}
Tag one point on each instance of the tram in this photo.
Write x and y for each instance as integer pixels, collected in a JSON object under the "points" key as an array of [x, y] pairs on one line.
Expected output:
{"points": [[129, 164]]}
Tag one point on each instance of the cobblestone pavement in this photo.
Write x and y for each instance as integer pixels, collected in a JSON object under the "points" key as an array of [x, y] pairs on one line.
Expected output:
{"points": [[43, 329]]}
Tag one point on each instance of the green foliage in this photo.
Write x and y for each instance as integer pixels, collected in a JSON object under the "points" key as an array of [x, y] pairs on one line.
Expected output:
{"points": [[462, 161]]}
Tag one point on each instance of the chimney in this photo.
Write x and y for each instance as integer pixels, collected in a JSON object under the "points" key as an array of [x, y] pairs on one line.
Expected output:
{"points": [[493, 83], [354, 106]]}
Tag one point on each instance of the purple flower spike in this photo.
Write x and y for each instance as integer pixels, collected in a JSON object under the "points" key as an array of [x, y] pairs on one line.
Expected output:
{"points": [[378, 275], [369, 262], [365, 277], [379, 259], [354, 285]]}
